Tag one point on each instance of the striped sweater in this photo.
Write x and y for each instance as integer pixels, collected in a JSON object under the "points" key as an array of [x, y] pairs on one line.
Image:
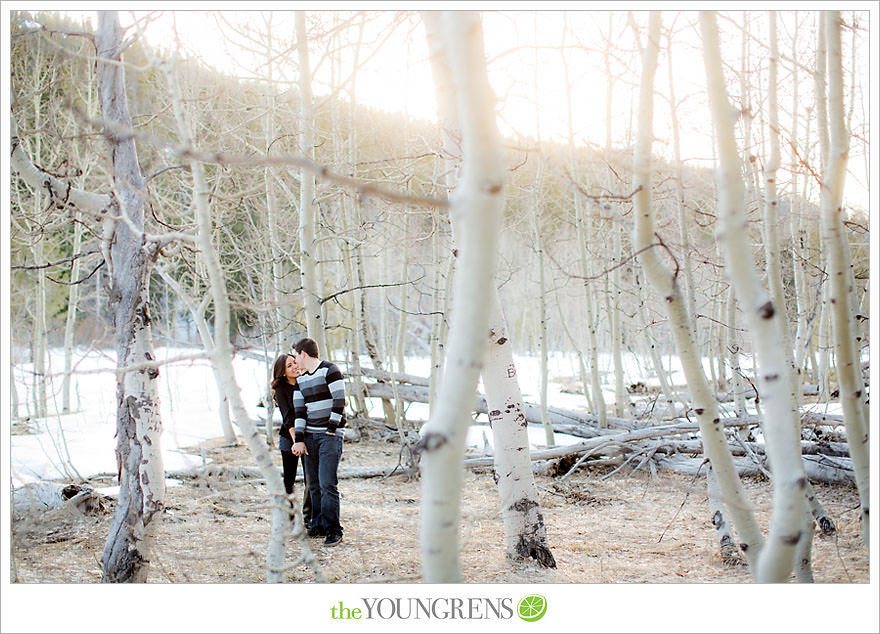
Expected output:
{"points": [[318, 401]]}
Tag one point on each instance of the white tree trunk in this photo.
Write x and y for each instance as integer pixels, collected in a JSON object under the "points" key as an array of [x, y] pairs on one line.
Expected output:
{"points": [[781, 425], [526, 535], [477, 203], [221, 357], [40, 375], [802, 302], [70, 321], [852, 391], [40, 346], [127, 551], [726, 544], [307, 220], [771, 205], [542, 317], [690, 290], [198, 316], [615, 315], [705, 406], [593, 391], [733, 350]]}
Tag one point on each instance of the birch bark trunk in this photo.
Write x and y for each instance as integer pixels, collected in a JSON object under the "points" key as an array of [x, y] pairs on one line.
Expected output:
{"points": [[802, 304], [476, 203], [307, 220], [666, 283], [127, 551], [733, 350], [852, 392], [524, 529], [70, 321], [39, 345], [525, 534], [781, 425], [777, 292], [690, 291], [221, 357], [542, 314]]}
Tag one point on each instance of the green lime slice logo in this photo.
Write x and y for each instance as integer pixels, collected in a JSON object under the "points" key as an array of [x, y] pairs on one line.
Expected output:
{"points": [[532, 608]]}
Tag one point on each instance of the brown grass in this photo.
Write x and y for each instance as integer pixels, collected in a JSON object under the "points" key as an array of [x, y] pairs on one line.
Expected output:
{"points": [[600, 531]]}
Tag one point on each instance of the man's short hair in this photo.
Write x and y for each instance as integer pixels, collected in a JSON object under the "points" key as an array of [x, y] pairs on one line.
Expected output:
{"points": [[307, 345]]}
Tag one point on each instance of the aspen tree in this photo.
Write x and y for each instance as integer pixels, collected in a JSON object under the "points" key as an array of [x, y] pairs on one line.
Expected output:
{"points": [[525, 533], [615, 310], [476, 203], [72, 308], [73, 297], [777, 292], [582, 366], [781, 429], [281, 316], [127, 551], [594, 389], [307, 219], [733, 349], [852, 392], [690, 289], [537, 205], [612, 306], [667, 286], [39, 343], [801, 300], [221, 358]]}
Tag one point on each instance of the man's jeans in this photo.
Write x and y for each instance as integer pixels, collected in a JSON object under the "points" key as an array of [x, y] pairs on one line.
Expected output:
{"points": [[321, 462]]}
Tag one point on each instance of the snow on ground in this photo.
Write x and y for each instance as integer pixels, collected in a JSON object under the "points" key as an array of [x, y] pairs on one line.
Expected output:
{"points": [[81, 444]]}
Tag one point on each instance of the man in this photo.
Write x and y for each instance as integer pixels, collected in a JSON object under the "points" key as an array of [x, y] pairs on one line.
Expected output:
{"points": [[318, 407]]}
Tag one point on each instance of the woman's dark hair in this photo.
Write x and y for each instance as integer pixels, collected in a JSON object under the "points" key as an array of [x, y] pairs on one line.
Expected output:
{"points": [[278, 376]]}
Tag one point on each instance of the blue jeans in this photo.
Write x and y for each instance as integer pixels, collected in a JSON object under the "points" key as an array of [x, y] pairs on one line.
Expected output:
{"points": [[321, 462]]}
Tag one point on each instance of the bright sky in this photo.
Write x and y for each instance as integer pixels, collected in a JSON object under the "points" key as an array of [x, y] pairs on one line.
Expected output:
{"points": [[532, 103]]}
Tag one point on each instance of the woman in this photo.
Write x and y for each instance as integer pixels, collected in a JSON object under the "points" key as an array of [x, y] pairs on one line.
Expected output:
{"points": [[284, 375]]}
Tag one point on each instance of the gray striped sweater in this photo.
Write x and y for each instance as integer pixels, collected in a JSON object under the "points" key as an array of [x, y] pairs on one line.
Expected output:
{"points": [[318, 400]]}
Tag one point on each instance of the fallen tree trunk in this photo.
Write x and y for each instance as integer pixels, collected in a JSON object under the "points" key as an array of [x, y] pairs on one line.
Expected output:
{"points": [[253, 473], [808, 448], [44, 496], [818, 468], [749, 393], [558, 416]]}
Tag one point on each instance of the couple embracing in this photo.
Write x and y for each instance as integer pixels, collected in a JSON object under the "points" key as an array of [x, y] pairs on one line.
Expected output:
{"points": [[310, 393]]}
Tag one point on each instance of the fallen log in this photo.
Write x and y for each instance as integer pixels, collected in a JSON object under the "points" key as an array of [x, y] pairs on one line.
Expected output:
{"points": [[749, 394], [44, 496], [818, 468], [387, 377], [808, 448], [575, 423], [253, 473]]}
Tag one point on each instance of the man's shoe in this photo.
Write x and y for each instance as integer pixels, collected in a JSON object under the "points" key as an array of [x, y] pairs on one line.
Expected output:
{"points": [[333, 539], [314, 531]]}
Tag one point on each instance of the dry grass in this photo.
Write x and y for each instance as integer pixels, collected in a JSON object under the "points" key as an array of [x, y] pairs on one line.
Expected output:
{"points": [[600, 531]]}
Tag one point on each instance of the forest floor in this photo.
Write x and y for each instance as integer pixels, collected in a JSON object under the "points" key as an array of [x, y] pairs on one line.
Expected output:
{"points": [[628, 528]]}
